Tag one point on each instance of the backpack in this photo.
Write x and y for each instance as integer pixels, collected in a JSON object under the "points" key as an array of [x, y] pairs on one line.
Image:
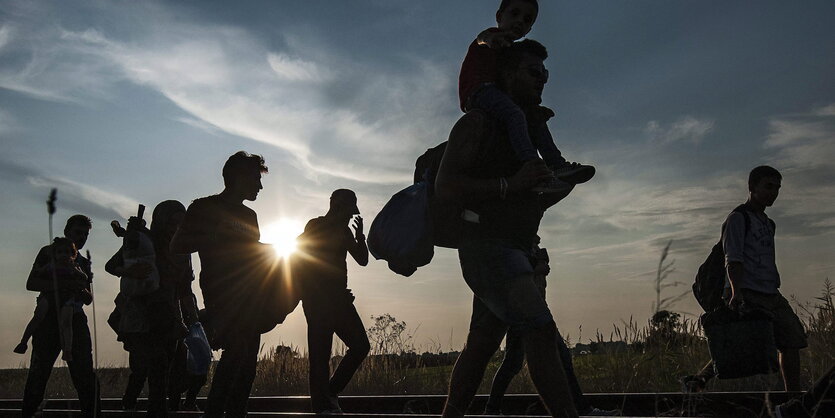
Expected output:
{"points": [[709, 284], [446, 223], [414, 220], [402, 233]]}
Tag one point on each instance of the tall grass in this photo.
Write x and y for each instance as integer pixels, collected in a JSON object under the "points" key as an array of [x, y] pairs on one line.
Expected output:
{"points": [[633, 357]]}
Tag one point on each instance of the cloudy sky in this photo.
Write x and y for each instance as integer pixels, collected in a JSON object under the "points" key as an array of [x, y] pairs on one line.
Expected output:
{"points": [[117, 103]]}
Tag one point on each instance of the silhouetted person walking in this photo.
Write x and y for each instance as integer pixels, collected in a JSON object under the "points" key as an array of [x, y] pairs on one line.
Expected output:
{"points": [[480, 170], [327, 301], [46, 340], [225, 234], [150, 322], [514, 353]]}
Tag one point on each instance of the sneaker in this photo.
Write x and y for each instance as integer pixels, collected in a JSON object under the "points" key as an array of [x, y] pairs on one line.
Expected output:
{"points": [[693, 384], [334, 411], [792, 409], [574, 173], [554, 185], [597, 412], [21, 348]]}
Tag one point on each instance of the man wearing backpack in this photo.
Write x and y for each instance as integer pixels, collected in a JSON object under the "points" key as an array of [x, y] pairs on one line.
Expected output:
{"points": [[753, 281], [480, 170]]}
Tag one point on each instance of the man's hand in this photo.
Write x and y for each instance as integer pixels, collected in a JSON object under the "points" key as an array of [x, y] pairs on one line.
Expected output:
{"points": [[357, 225], [139, 271], [495, 39], [532, 173]]}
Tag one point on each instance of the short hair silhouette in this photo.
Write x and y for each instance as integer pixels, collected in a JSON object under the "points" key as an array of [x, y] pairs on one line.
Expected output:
{"points": [[761, 172], [509, 58], [78, 219], [505, 3], [242, 163]]}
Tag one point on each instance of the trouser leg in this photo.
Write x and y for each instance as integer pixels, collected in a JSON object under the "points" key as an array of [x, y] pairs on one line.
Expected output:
{"points": [[233, 377], [157, 379], [136, 379], [351, 331], [319, 341], [81, 368], [45, 349]]}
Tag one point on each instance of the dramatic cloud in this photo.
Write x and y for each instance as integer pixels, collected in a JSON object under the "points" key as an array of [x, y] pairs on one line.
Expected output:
{"points": [[282, 98]]}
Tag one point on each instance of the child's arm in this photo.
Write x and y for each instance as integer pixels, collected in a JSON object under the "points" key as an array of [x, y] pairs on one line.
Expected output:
{"points": [[494, 38]]}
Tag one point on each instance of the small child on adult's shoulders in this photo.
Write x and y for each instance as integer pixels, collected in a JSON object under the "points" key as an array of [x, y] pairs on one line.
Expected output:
{"points": [[477, 89], [63, 268]]}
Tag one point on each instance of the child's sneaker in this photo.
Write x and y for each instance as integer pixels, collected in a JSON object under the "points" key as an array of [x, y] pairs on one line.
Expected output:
{"points": [[21, 348], [574, 173], [553, 185]]}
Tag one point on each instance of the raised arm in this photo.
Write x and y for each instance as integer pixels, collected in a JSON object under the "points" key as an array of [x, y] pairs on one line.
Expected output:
{"points": [[357, 246]]}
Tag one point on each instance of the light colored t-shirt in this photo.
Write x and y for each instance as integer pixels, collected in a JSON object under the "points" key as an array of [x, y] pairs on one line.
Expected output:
{"points": [[754, 249]]}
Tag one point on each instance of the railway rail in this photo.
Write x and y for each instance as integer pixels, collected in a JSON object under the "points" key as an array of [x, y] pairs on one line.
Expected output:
{"points": [[712, 404]]}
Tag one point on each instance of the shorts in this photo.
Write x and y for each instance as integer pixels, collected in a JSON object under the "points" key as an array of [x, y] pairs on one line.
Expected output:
{"points": [[788, 330], [501, 277]]}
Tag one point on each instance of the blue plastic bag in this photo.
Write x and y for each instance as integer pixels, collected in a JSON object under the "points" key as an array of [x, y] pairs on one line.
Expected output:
{"points": [[199, 352], [402, 232]]}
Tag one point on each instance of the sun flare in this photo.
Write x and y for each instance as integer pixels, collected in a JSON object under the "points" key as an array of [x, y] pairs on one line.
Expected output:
{"points": [[282, 235]]}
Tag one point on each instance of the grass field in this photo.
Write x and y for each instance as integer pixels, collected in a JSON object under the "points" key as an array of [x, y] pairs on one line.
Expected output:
{"points": [[632, 358]]}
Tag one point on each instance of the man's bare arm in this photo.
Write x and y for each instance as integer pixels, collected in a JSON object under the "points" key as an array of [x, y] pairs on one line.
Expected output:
{"points": [[735, 273], [461, 154]]}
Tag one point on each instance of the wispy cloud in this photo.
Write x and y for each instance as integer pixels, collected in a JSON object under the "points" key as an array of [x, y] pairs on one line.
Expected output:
{"points": [[687, 129], [74, 195], [288, 99]]}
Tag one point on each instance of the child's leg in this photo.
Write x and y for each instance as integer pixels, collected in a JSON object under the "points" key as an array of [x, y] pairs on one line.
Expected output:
{"points": [[544, 143], [495, 102], [41, 308], [65, 330]]}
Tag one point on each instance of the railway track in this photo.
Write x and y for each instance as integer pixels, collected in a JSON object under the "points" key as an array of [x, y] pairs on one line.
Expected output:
{"points": [[714, 404]]}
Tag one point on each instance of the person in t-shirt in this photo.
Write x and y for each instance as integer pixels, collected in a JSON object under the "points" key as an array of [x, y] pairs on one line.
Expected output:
{"points": [[752, 280], [224, 233], [526, 128], [328, 303]]}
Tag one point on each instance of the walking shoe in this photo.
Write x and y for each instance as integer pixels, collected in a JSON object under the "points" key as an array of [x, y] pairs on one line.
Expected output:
{"points": [[574, 173], [597, 412], [693, 384], [553, 185], [792, 409], [21, 348]]}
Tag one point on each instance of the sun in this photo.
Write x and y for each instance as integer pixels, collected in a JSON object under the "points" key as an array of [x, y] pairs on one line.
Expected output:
{"points": [[282, 235]]}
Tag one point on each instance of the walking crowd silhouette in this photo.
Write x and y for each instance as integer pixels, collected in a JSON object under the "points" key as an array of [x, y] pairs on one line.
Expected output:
{"points": [[498, 173]]}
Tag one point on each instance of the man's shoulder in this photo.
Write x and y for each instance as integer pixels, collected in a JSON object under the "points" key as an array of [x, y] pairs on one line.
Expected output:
{"points": [[43, 256], [204, 201]]}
